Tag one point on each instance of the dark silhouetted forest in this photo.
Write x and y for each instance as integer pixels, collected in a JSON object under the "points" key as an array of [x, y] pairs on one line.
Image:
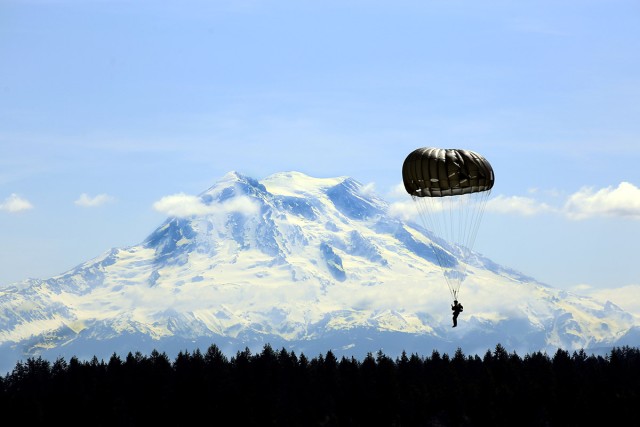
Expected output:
{"points": [[280, 388]]}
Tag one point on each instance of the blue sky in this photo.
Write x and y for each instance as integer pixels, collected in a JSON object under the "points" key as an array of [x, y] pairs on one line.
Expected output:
{"points": [[108, 106]]}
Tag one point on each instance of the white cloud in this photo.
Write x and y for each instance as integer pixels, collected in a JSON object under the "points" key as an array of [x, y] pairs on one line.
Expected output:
{"points": [[403, 210], [398, 192], [88, 201], [184, 205], [368, 189], [623, 201], [15, 203], [518, 205]]}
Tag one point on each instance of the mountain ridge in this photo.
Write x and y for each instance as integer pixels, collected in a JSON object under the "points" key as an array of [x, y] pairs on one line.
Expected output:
{"points": [[297, 261]]}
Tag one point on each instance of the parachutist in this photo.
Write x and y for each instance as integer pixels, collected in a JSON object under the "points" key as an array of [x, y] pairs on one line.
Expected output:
{"points": [[457, 309]]}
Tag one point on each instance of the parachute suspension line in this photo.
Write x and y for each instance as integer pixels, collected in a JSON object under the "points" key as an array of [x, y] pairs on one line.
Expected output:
{"points": [[439, 215], [457, 231], [457, 214], [427, 209], [452, 226], [483, 198], [455, 221], [462, 223], [470, 211], [469, 220]]}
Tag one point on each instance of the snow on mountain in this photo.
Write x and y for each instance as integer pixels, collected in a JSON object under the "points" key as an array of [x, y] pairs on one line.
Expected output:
{"points": [[307, 263]]}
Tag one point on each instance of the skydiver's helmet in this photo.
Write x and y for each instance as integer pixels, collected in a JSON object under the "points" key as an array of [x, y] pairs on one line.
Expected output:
{"points": [[455, 301]]}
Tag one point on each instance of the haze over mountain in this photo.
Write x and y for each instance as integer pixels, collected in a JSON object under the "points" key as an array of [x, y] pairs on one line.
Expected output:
{"points": [[311, 264]]}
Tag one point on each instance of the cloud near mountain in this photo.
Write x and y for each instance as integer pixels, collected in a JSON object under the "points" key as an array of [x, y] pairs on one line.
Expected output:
{"points": [[184, 205]]}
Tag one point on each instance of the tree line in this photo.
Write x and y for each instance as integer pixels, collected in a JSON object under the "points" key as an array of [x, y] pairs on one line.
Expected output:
{"points": [[280, 388]]}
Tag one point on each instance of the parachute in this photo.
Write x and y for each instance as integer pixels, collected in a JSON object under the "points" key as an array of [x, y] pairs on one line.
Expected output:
{"points": [[450, 188]]}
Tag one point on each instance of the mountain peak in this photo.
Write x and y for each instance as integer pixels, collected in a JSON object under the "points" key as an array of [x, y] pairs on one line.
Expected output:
{"points": [[230, 185], [298, 184], [233, 178]]}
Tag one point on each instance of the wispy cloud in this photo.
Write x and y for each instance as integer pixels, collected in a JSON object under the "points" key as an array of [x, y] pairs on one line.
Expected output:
{"points": [[398, 192], [90, 202], [622, 201], [403, 210], [368, 189], [184, 205], [517, 205], [14, 204]]}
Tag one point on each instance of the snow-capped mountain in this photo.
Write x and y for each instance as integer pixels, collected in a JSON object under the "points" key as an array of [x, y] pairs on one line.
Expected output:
{"points": [[305, 263]]}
